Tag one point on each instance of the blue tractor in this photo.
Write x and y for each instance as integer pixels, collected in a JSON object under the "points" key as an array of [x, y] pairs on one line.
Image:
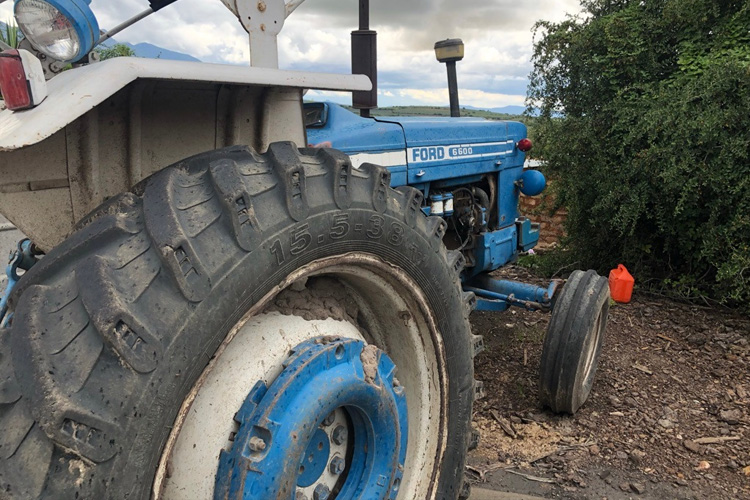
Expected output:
{"points": [[205, 310], [470, 172]]}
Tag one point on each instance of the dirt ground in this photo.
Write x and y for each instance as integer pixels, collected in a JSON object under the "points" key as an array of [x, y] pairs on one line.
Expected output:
{"points": [[668, 417]]}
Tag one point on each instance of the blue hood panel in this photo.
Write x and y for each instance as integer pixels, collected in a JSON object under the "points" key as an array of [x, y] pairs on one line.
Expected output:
{"points": [[425, 149]]}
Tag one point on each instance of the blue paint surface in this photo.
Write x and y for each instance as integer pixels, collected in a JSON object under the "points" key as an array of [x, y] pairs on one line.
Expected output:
{"points": [[280, 424], [440, 154], [315, 459]]}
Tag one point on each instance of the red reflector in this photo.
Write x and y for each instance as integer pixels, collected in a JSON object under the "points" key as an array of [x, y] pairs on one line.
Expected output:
{"points": [[13, 83], [524, 145]]}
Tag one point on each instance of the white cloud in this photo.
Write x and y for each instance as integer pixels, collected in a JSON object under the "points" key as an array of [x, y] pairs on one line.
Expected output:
{"points": [[468, 97], [497, 35]]}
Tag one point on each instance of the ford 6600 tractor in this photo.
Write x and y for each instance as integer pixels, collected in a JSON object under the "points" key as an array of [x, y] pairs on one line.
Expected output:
{"points": [[205, 310]]}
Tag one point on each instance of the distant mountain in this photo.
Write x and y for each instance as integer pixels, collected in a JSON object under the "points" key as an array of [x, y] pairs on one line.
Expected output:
{"points": [[509, 110], [147, 50], [151, 51], [467, 112], [506, 110]]}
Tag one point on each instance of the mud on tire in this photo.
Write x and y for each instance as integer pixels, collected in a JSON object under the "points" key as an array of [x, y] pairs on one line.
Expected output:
{"points": [[113, 327]]}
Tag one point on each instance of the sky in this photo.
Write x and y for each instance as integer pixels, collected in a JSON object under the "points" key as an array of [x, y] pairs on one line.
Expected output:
{"points": [[497, 35]]}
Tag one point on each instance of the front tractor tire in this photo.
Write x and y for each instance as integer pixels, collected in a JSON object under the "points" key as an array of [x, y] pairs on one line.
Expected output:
{"points": [[573, 344], [137, 341]]}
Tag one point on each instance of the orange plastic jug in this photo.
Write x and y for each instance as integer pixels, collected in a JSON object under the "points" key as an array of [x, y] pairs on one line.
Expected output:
{"points": [[621, 284]]}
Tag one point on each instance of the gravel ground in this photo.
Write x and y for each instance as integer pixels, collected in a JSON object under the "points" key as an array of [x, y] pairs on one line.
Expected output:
{"points": [[667, 418]]}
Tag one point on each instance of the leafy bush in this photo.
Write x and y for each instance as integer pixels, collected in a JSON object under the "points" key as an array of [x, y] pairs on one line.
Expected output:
{"points": [[116, 50], [645, 122], [10, 34]]}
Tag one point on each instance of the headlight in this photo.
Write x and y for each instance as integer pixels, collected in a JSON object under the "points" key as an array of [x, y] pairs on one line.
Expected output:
{"points": [[65, 30]]}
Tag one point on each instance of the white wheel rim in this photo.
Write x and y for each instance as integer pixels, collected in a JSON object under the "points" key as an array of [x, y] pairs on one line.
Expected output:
{"points": [[404, 328]]}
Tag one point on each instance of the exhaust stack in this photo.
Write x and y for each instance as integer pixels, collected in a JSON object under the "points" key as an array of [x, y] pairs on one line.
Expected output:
{"points": [[365, 60], [451, 51]]}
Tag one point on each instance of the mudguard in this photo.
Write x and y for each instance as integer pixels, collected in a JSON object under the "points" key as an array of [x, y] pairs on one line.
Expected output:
{"points": [[75, 92]]}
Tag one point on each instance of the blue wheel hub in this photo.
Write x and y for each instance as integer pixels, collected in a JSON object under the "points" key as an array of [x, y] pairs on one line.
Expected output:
{"points": [[332, 425]]}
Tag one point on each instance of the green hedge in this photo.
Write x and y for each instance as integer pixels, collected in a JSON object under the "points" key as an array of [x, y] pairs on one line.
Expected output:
{"points": [[646, 125]]}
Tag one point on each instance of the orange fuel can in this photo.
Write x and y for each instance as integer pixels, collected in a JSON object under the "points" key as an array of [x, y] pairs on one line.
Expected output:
{"points": [[621, 284]]}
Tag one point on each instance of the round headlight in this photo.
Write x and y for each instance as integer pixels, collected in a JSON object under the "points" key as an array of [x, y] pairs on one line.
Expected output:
{"points": [[65, 30]]}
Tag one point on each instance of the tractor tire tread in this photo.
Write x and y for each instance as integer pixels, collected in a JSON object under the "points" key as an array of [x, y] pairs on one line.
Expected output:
{"points": [[100, 327]]}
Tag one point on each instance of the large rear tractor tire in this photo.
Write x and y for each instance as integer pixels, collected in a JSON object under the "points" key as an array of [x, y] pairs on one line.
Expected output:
{"points": [[573, 344], [236, 313]]}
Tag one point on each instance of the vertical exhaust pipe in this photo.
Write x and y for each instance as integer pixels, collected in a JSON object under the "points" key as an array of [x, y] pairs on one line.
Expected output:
{"points": [[451, 51], [365, 60]]}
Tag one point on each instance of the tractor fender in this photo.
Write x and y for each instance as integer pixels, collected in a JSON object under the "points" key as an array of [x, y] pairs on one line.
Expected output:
{"points": [[75, 92]]}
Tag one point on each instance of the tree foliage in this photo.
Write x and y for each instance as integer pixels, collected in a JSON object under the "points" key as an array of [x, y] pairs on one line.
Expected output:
{"points": [[645, 121], [10, 34], [117, 50]]}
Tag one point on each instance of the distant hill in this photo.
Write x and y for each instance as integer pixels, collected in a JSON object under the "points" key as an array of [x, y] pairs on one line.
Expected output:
{"points": [[442, 111], [510, 110], [506, 110], [151, 51], [147, 50]]}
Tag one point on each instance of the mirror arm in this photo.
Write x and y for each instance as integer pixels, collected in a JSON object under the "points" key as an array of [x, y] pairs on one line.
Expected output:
{"points": [[156, 5], [109, 34]]}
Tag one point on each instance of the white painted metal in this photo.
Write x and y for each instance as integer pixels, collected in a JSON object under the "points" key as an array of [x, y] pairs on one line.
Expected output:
{"points": [[263, 21], [292, 6], [436, 208], [34, 75], [256, 353], [256, 347], [387, 159], [73, 93], [449, 205]]}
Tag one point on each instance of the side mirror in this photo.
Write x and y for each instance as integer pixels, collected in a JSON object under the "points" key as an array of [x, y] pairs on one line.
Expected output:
{"points": [[316, 114]]}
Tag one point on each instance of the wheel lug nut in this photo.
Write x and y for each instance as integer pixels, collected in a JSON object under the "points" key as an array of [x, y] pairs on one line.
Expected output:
{"points": [[256, 444], [329, 419], [337, 465], [321, 492], [300, 496], [340, 434]]}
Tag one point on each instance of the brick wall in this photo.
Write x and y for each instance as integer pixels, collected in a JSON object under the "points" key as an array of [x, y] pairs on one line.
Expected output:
{"points": [[538, 209]]}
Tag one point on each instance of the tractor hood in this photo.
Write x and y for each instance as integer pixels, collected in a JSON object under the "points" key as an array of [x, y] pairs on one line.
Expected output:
{"points": [[427, 148], [434, 141]]}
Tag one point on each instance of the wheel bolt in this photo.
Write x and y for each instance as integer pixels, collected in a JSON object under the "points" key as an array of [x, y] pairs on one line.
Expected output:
{"points": [[329, 419], [337, 465], [256, 444], [300, 496], [340, 434], [321, 492]]}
